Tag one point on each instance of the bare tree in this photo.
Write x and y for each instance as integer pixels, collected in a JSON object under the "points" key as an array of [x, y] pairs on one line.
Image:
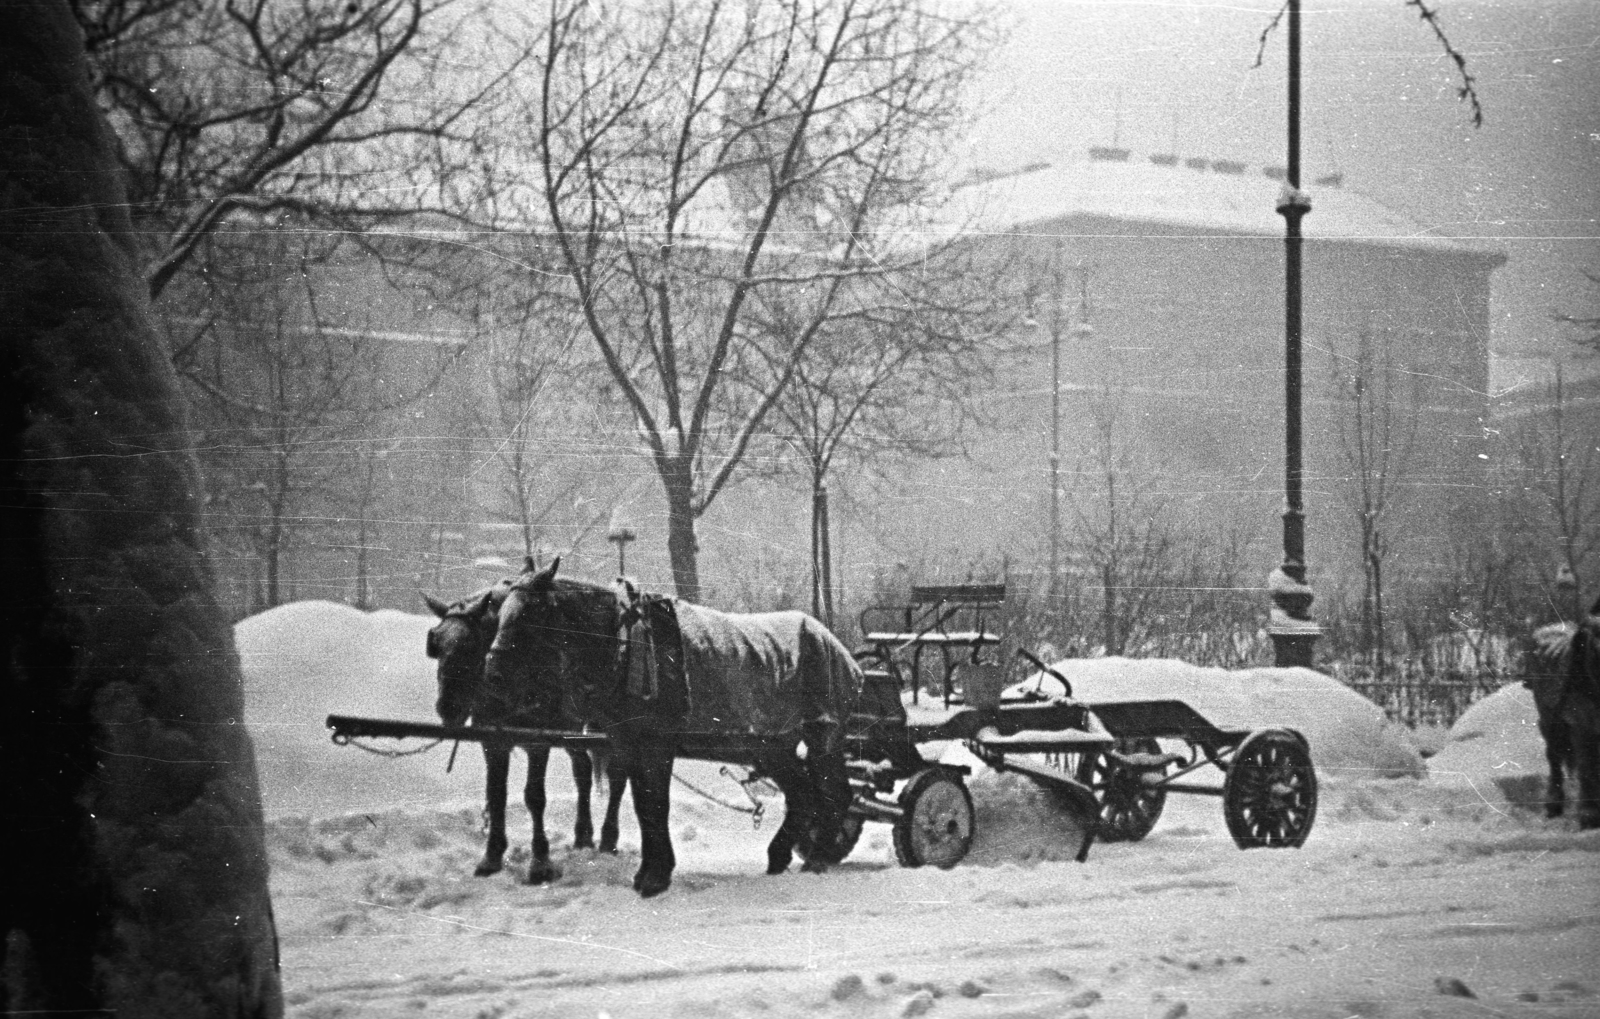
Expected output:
{"points": [[1588, 325], [300, 385], [533, 366], [688, 160], [884, 386], [1377, 433], [1560, 464], [223, 107], [1123, 533]]}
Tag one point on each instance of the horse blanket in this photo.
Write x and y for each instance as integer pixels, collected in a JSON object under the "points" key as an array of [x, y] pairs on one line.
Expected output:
{"points": [[764, 673]]}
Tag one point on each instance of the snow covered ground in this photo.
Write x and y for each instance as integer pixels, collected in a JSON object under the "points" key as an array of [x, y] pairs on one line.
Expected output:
{"points": [[1437, 893]]}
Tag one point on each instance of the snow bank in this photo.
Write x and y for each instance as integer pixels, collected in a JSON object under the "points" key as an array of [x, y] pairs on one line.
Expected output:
{"points": [[1350, 736], [1496, 750], [306, 660]]}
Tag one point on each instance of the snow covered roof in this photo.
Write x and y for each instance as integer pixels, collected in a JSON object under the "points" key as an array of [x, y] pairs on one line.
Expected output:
{"points": [[1200, 196]]}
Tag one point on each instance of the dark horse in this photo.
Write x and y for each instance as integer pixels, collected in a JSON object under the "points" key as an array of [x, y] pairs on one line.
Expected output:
{"points": [[658, 675], [459, 641], [1563, 671]]}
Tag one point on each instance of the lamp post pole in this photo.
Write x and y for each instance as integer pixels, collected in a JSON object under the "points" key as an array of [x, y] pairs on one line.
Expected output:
{"points": [[620, 533], [1292, 629], [1055, 456], [1081, 331]]}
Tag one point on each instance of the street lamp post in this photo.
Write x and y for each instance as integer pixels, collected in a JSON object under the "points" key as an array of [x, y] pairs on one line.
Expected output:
{"points": [[620, 533], [1292, 629], [1081, 331]]}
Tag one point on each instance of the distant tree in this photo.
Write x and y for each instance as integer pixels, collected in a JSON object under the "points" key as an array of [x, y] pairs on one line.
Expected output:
{"points": [[1124, 536], [530, 426], [1377, 422], [891, 383], [1561, 471], [1587, 325], [294, 391], [689, 160]]}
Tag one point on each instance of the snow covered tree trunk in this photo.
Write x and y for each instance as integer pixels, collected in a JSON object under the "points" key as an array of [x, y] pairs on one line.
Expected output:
{"points": [[138, 877], [683, 548]]}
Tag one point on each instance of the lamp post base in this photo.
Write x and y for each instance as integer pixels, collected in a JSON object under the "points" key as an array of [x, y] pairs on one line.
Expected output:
{"points": [[1294, 649], [1294, 633]]}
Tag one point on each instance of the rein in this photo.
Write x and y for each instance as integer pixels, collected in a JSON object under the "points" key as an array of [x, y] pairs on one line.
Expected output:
{"points": [[379, 751], [756, 810]]}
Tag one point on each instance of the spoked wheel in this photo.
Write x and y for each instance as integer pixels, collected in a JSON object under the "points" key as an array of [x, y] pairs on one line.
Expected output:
{"points": [[1270, 796], [850, 832], [936, 825], [1128, 807]]}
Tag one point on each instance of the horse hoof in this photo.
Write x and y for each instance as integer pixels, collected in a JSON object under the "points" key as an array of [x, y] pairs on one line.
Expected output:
{"points": [[1553, 810], [543, 875], [608, 848], [583, 843], [487, 867], [814, 867], [650, 889], [647, 884]]}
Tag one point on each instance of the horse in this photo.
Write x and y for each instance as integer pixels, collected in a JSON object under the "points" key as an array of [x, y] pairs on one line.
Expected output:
{"points": [[770, 689], [458, 642], [1562, 668]]}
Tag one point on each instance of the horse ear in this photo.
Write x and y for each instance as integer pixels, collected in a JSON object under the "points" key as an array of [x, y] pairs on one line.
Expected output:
{"points": [[546, 576], [439, 608]]}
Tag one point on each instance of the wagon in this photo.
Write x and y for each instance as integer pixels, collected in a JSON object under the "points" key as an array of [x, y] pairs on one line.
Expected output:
{"points": [[932, 679], [1102, 764]]}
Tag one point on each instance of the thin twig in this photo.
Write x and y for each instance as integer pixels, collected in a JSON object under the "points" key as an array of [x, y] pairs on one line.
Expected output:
{"points": [[1261, 50], [1468, 91]]}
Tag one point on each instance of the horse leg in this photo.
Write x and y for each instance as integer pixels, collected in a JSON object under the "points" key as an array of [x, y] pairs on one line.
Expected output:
{"points": [[540, 869], [497, 763], [1586, 761], [650, 772], [583, 779], [788, 774], [616, 784], [1557, 753], [828, 782]]}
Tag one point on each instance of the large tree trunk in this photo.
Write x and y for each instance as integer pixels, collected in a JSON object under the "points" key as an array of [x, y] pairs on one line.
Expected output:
{"points": [[683, 549], [138, 876]]}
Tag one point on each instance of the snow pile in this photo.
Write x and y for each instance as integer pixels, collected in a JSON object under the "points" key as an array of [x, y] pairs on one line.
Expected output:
{"points": [[1350, 736], [306, 660], [1495, 750]]}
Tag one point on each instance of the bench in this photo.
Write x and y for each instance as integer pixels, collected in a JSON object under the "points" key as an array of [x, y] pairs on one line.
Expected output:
{"points": [[957, 619]]}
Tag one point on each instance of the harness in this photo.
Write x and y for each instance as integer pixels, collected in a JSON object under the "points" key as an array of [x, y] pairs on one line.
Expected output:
{"points": [[636, 663]]}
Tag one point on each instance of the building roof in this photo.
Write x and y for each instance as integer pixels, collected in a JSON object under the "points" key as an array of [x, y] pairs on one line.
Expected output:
{"points": [[1188, 195]]}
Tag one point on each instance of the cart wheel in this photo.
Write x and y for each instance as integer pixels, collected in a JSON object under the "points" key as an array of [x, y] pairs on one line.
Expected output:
{"points": [[1128, 807], [936, 826], [850, 829], [1270, 795]]}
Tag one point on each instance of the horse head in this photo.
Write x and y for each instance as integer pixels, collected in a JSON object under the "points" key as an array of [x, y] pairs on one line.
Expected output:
{"points": [[458, 642], [549, 631]]}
